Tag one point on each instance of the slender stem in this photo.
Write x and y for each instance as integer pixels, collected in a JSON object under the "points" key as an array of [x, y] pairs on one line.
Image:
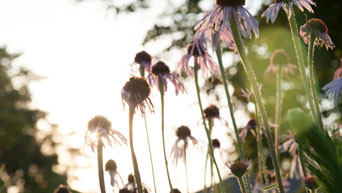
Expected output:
{"points": [[311, 51], [212, 188], [100, 164], [302, 158], [134, 159], [299, 53], [150, 152], [259, 146], [231, 111], [260, 104], [205, 171], [242, 185], [186, 169], [211, 151], [277, 109], [161, 90]]}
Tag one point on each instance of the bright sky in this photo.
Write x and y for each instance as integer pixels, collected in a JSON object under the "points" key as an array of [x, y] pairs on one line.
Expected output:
{"points": [[85, 54]]}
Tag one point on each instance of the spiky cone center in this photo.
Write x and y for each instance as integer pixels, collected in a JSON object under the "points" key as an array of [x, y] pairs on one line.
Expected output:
{"points": [[111, 165], [142, 57], [239, 168], [316, 24], [310, 182], [99, 122], [251, 124], [138, 90], [211, 112], [160, 68], [183, 132], [196, 50], [216, 143], [232, 3]]}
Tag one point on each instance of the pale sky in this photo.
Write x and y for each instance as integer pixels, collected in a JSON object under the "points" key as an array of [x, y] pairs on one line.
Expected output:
{"points": [[84, 54]]}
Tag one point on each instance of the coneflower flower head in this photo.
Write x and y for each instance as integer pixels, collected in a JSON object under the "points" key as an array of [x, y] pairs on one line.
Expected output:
{"points": [[111, 165], [62, 189], [280, 60], [212, 112], [238, 168], [175, 191], [132, 185], [144, 59], [183, 132], [162, 71], [319, 29], [136, 94], [251, 126], [100, 127], [272, 11], [201, 56], [310, 183], [216, 143], [334, 87]]}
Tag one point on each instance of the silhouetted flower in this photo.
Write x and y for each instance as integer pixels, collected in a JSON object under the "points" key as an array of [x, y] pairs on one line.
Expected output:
{"points": [[131, 186], [162, 71], [175, 191], [272, 11], [291, 146], [319, 29], [62, 189], [213, 112], [100, 127], [136, 94], [251, 127], [238, 168], [111, 167], [181, 144], [201, 57], [310, 182], [280, 60], [144, 59], [216, 20]]}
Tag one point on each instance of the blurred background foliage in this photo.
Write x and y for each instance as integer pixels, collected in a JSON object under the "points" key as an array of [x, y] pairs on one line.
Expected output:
{"points": [[25, 166]]}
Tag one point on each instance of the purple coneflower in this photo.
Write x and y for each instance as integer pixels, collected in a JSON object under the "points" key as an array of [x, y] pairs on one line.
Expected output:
{"points": [[319, 29], [201, 58], [213, 112], [131, 186], [144, 60], [162, 71], [238, 168], [280, 60], [181, 144], [272, 11], [216, 20], [62, 189], [334, 87], [99, 127], [136, 94], [111, 167], [251, 127]]}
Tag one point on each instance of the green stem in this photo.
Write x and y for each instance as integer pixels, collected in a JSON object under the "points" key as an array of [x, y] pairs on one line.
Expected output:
{"points": [[100, 164], [161, 90], [277, 110], [205, 171], [142, 73], [302, 158], [150, 152], [260, 148], [231, 111], [260, 104], [242, 185], [212, 189], [211, 151], [299, 53], [134, 159], [311, 51]]}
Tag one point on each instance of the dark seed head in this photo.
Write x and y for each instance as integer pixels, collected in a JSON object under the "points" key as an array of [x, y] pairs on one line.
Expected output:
{"points": [[99, 122], [196, 50], [239, 168], [124, 190], [317, 24], [251, 124], [160, 68], [175, 191], [138, 90], [111, 165], [310, 182], [62, 189], [183, 132], [142, 57], [131, 178], [230, 2], [212, 112], [216, 143]]}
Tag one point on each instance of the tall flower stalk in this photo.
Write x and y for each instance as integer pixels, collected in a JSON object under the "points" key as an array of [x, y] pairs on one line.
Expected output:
{"points": [[259, 102]]}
